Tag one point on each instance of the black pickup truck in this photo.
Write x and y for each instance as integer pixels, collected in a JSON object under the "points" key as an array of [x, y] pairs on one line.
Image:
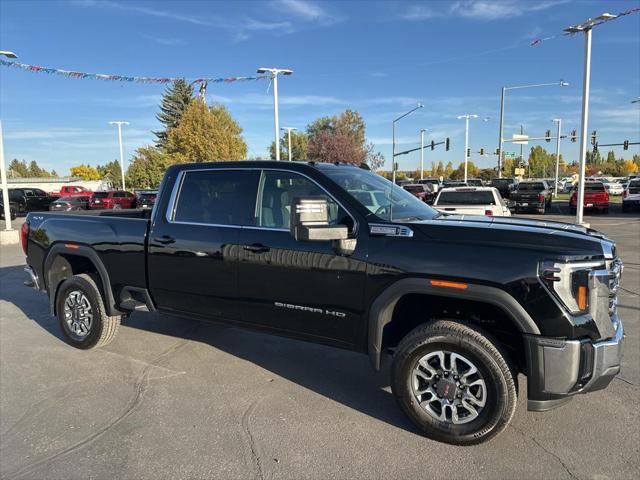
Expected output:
{"points": [[531, 195], [461, 304]]}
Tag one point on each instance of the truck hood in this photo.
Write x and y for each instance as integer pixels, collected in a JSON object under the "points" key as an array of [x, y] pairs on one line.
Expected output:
{"points": [[562, 238]]}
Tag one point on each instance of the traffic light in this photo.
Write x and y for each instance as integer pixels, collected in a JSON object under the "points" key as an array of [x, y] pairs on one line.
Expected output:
{"points": [[593, 138], [547, 136], [433, 144], [482, 151], [498, 151], [625, 145], [468, 152], [574, 136], [446, 144], [595, 147]]}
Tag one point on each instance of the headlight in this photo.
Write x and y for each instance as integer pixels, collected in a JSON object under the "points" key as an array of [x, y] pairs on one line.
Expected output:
{"points": [[570, 282]]}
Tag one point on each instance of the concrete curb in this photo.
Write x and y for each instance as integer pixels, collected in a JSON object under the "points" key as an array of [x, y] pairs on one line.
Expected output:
{"points": [[9, 237]]}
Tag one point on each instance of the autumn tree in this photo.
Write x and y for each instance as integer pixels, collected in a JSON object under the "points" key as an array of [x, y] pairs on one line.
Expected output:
{"points": [[327, 146], [147, 168], [448, 170], [85, 172], [205, 134], [299, 145], [175, 101]]}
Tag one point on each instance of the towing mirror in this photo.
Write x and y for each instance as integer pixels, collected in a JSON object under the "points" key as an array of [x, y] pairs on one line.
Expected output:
{"points": [[310, 221]]}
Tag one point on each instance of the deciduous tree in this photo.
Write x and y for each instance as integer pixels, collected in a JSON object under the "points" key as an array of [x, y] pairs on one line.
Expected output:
{"points": [[299, 144], [147, 168], [85, 172], [206, 134]]}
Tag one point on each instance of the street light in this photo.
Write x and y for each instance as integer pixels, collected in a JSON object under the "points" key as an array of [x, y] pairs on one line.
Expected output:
{"points": [[3, 172], [393, 140], [119, 124], [274, 78], [422, 152], [466, 140], [559, 122], [561, 83], [288, 130], [586, 28]]}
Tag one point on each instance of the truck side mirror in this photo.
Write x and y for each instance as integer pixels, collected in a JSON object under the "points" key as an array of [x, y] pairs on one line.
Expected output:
{"points": [[310, 221]]}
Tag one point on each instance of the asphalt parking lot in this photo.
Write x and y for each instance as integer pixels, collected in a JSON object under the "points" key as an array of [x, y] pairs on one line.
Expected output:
{"points": [[174, 398]]}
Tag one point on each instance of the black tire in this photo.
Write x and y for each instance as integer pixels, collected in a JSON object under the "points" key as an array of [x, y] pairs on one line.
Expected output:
{"points": [[103, 327], [492, 363]]}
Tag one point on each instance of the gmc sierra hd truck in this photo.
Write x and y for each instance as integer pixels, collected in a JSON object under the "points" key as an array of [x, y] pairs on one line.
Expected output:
{"points": [[462, 304]]}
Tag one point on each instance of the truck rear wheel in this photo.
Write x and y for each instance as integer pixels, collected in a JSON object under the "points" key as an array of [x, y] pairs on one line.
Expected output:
{"points": [[81, 313], [454, 383]]}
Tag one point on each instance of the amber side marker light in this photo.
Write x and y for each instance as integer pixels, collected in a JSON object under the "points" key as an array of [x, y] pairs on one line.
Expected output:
{"points": [[444, 283], [582, 298]]}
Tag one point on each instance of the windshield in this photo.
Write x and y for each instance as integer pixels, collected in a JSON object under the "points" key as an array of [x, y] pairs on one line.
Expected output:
{"points": [[395, 204], [413, 188], [531, 186], [593, 187], [466, 198], [501, 181], [100, 194], [65, 199], [147, 196]]}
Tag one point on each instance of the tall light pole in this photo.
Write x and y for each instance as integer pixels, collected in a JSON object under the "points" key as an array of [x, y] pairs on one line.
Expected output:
{"points": [[422, 153], [561, 83], [555, 188], [3, 172], [119, 124], [274, 78], [466, 140], [393, 140], [288, 130], [585, 27]]}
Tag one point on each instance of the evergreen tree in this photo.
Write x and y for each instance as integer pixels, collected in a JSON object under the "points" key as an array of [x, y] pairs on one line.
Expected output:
{"points": [[298, 146], [19, 168], [611, 157], [175, 101], [448, 170], [111, 169]]}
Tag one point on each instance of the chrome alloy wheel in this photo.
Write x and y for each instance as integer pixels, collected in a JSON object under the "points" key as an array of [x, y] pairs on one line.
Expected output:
{"points": [[449, 387], [78, 314]]}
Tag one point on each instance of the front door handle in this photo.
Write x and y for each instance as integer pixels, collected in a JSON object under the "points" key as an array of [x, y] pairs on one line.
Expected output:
{"points": [[164, 239], [256, 248]]}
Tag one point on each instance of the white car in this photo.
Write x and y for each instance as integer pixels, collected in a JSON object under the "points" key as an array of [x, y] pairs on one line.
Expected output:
{"points": [[471, 201], [631, 198], [613, 188]]}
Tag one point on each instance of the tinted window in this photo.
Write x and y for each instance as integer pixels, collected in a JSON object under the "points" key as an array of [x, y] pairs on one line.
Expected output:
{"points": [[534, 187], [413, 188], [278, 191], [594, 187], [634, 186], [221, 197], [100, 195], [466, 198], [15, 194], [39, 192]]}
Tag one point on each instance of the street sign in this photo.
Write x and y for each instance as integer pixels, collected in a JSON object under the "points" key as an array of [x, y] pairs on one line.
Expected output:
{"points": [[519, 139], [509, 154], [519, 171]]}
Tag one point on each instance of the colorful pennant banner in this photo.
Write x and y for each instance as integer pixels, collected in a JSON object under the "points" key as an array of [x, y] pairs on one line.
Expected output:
{"points": [[123, 78]]}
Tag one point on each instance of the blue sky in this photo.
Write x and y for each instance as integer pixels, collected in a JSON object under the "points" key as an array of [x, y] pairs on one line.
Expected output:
{"points": [[379, 58]]}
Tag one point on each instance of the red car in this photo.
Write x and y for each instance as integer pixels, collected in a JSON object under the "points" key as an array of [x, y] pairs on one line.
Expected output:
{"points": [[116, 199], [71, 191], [421, 191], [595, 197]]}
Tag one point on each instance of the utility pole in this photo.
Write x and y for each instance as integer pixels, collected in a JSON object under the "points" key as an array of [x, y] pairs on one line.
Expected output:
{"points": [[393, 141], [119, 124], [288, 130], [585, 27], [274, 78], [3, 172], [555, 188], [422, 153], [466, 140]]}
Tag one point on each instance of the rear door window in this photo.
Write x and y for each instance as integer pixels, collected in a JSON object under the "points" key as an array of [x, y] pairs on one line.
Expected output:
{"points": [[217, 197]]}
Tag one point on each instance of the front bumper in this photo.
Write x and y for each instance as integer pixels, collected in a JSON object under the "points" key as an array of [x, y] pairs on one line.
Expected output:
{"points": [[559, 369]]}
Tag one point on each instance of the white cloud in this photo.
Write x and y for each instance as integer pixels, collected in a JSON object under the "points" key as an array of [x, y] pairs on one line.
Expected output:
{"points": [[306, 10], [478, 9], [165, 41]]}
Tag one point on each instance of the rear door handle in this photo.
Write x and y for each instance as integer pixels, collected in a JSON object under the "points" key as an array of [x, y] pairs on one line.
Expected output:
{"points": [[164, 239], [256, 248]]}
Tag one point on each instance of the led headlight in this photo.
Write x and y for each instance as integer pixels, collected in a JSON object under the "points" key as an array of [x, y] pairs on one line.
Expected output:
{"points": [[570, 282]]}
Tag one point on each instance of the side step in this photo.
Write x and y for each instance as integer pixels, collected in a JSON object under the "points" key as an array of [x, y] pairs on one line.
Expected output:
{"points": [[136, 299]]}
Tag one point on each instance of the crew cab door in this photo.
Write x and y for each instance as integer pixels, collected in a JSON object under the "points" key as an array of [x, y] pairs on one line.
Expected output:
{"points": [[300, 288], [193, 244]]}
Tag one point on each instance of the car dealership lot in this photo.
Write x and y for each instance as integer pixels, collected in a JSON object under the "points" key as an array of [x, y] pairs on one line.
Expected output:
{"points": [[171, 397]]}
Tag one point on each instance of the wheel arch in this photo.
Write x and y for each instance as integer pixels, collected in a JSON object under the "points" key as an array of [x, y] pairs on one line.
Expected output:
{"points": [[63, 262], [382, 309]]}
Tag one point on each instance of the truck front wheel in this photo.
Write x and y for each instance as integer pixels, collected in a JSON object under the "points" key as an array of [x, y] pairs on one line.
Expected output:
{"points": [[81, 313], [454, 383]]}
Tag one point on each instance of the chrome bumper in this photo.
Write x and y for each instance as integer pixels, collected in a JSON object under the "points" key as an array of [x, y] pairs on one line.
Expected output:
{"points": [[559, 369], [33, 281]]}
